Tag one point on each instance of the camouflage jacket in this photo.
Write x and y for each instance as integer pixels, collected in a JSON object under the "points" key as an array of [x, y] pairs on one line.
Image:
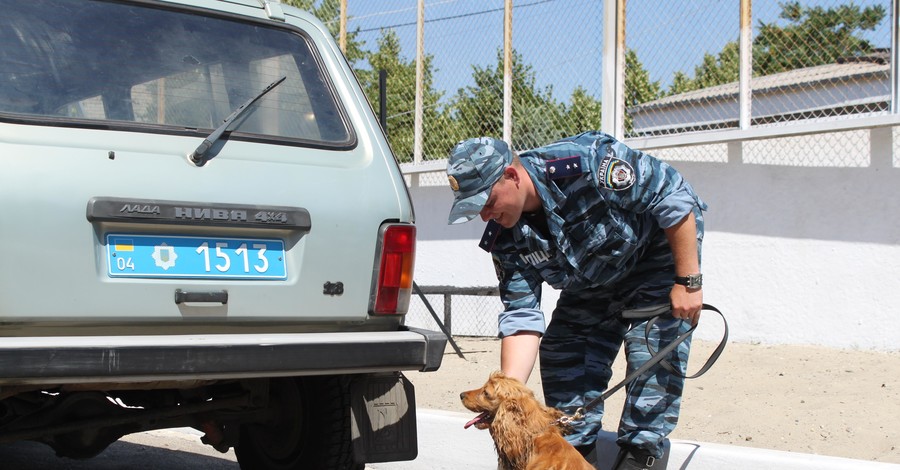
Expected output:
{"points": [[603, 202]]}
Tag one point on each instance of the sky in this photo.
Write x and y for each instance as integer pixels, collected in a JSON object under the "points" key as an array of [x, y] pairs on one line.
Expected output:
{"points": [[562, 39]]}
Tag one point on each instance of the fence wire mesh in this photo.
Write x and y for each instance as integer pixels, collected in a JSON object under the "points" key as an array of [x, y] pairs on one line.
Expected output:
{"points": [[462, 312], [810, 61], [804, 62], [463, 69]]}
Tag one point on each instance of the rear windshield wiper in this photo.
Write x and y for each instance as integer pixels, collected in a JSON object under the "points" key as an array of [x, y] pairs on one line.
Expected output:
{"points": [[199, 156]]}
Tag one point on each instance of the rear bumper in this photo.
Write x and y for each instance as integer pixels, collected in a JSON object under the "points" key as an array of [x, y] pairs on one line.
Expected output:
{"points": [[132, 359]]}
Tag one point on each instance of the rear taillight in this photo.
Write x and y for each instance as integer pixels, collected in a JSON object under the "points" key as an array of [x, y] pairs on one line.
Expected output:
{"points": [[394, 278]]}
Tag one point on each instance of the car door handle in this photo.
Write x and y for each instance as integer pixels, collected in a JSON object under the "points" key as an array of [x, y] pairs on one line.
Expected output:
{"points": [[219, 297]]}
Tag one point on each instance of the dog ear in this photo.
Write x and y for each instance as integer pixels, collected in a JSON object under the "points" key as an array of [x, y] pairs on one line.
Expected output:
{"points": [[509, 431]]}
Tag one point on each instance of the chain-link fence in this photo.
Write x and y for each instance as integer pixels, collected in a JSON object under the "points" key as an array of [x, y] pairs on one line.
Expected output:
{"points": [[463, 69], [455, 70], [787, 83], [462, 311], [806, 60], [674, 70]]}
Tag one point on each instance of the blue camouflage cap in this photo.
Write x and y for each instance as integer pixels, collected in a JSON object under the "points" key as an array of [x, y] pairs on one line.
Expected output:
{"points": [[473, 168]]}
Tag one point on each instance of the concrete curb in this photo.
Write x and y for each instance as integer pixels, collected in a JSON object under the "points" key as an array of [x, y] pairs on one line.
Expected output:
{"points": [[444, 444]]}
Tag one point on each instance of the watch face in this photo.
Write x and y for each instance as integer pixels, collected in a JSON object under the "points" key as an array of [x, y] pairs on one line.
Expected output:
{"points": [[692, 281], [695, 280]]}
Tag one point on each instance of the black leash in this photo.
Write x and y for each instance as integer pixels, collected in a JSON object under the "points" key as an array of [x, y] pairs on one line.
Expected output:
{"points": [[657, 357]]}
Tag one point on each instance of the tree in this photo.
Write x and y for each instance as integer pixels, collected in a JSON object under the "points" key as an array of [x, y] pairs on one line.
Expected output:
{"points": [[714, 70], [582, 113], [400, 93], [478, 109], [638, 86], [814, 36], [329, 12]]}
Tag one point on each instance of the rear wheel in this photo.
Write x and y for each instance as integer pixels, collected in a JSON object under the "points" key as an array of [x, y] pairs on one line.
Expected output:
{"points": [[309, 428]]}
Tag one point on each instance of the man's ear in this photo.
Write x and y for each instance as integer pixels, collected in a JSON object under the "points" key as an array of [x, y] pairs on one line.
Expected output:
{"points": [[511, 173]]}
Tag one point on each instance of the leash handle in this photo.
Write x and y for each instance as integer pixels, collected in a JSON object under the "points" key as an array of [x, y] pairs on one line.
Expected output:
{"points": [[712, 357], [659, 356]]}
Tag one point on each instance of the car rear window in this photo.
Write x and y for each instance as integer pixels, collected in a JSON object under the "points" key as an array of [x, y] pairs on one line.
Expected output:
{"points": [[124, 65]]}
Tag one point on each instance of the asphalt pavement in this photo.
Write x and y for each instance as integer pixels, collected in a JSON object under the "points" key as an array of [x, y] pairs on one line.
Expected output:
{"points": [[443, 445]]}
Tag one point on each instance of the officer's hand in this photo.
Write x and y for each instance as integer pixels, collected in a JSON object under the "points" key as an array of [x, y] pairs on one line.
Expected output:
{"points": [[686, 303]]}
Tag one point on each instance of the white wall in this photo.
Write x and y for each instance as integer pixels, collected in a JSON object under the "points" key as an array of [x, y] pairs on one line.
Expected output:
{"points": [[793, 254]]}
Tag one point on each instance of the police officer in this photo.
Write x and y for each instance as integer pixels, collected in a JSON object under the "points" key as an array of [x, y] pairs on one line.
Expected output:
{"points": [[611, 227]]}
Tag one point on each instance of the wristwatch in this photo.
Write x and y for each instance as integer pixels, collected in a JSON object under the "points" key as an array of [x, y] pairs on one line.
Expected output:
{"points": [[691, 281]]}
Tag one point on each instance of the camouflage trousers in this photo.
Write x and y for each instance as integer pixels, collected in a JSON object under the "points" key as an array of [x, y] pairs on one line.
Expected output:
{"points": [[582, 341]]}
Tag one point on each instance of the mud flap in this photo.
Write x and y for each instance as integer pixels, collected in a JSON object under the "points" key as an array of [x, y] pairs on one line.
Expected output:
{"points": [[383, 418]]}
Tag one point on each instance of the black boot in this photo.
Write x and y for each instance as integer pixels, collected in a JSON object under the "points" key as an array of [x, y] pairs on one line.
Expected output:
{"points": [[632, 458]]}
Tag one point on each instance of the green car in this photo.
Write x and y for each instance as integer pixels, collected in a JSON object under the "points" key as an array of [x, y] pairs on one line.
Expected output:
{"points": [[203, 225]]}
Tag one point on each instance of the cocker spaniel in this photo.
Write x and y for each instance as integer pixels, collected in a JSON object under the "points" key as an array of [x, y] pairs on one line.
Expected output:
{"points": [[526, 434]]}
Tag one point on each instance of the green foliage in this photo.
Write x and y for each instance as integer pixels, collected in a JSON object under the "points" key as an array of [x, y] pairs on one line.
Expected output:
{"points": [[814, 36], [329, 12], [582, 113], [477, 110], [401, 96], [638, 86]]}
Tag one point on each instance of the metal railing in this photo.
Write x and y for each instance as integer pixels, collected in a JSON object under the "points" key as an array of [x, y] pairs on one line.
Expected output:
{"points": [[458, 311]]}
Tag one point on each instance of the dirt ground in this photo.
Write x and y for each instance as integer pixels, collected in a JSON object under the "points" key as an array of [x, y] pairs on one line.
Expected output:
{"points": [[807, 399]]}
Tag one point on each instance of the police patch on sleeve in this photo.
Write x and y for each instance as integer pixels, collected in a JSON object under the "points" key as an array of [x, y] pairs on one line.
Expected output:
{"points": [[616, 174]]}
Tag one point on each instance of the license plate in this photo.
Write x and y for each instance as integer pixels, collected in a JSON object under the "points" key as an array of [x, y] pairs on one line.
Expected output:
{"points": [[150, 256]]}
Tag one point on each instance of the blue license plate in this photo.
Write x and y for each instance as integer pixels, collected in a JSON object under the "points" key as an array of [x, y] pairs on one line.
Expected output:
{"points": [[150, 256]]}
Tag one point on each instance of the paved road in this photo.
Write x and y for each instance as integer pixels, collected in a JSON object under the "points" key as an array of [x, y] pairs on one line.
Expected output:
{"points": [[443, 445], [164, 449]]}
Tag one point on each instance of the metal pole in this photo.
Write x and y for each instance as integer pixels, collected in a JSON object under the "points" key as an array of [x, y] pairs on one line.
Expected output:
{"points": [[448, 312], [746, 56], [507, 71], [420, 83], [438, 321], [895, 56], [382, 100], [620, 70], [342, 36], [612, 68]]}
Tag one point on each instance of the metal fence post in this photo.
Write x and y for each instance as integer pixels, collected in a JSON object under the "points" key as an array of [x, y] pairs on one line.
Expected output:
{"points": [[448, 316]]}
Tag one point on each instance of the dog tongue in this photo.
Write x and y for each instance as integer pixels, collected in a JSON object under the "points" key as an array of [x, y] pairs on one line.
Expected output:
{"points": [[476, 419]]}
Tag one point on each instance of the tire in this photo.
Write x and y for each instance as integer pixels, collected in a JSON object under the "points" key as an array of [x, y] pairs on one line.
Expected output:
{"points": [[309, 428]]}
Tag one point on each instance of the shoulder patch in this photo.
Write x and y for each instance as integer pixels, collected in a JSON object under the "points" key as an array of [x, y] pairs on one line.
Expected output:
{"points": [[490, 236], [564, 167], [615, 174]]}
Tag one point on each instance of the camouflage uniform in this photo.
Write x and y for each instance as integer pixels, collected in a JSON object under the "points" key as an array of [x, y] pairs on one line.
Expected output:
{"points": [[604, 247]]}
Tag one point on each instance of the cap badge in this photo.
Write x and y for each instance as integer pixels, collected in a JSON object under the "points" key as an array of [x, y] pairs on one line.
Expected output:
{"points": [[454, 185]]}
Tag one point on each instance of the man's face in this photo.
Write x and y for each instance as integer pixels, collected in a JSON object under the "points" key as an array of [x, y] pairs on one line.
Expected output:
{"points": [[505, 203]]}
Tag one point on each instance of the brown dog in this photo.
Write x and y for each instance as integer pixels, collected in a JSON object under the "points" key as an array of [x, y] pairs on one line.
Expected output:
{"points": [[527, 434]]}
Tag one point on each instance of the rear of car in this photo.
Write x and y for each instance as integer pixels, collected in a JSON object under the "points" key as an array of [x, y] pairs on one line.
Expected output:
{"points": [[204, 226]]}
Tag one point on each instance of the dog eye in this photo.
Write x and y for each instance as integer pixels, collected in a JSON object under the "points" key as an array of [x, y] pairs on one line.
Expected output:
{"points": [[486, 394]]}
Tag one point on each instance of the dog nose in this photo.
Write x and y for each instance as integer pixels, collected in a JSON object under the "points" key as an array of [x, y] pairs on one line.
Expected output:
{"points": [[462, 395]]}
